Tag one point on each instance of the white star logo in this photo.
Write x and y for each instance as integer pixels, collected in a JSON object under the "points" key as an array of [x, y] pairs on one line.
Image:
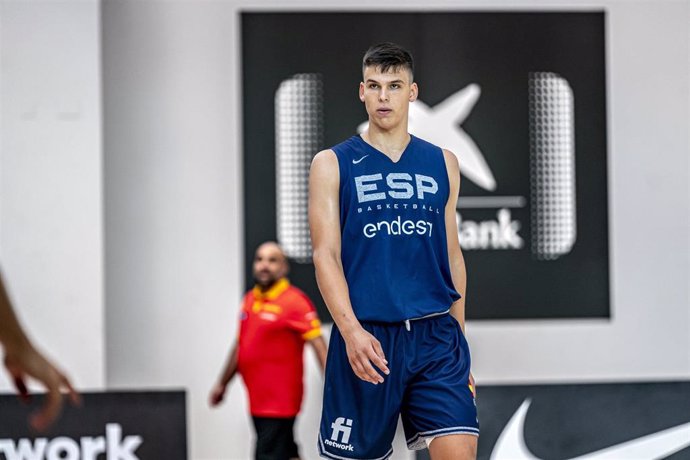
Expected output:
{"points": [[440, 125]]}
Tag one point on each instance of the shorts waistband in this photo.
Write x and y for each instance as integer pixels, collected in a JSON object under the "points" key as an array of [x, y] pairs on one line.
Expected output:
{"points": [[429, 316], [409, 320]]}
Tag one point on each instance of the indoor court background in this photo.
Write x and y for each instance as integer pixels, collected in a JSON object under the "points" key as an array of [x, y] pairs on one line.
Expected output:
{"points": [[121, 220]]}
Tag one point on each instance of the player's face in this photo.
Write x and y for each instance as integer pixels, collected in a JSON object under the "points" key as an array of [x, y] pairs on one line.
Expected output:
{"points": [[269, 265], [387, 96]]}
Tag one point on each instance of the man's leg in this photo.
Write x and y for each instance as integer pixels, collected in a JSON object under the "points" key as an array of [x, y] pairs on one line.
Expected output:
{"points": [[292, 449], [454, 447]]}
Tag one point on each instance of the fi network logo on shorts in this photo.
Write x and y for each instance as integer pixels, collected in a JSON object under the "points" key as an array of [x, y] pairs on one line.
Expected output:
{"points": [[341, 426]]}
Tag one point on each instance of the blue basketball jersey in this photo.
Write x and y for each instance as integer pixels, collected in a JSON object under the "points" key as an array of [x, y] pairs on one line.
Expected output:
{"points": [[392, 219]]}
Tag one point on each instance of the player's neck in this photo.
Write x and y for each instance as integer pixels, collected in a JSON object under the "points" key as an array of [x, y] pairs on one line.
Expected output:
{"points": [[392, 142]]}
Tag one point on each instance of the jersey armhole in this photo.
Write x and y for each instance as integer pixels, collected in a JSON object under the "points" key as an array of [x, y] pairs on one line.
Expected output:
{"points": [[445, 169]]}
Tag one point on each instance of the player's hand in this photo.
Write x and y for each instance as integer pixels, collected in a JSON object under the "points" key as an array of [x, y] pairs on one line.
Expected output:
{"points": [[362, 350], [217, 394], [27, 362]]}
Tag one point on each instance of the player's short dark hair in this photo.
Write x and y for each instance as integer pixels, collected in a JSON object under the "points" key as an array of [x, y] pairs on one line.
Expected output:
{"points": [[388, 56]]}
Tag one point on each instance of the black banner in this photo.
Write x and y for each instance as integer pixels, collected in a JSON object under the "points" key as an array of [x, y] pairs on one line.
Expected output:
{"points": [[520, 98], [593, 421], [108, 426]]}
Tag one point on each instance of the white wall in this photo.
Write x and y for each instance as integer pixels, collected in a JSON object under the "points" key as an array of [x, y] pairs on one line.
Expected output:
{"points": [[50, 179], [172, 206]]}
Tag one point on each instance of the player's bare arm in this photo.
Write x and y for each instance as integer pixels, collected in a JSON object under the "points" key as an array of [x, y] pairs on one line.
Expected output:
{"points": [[229, 371], [318, 344], [457, 261], [363, 349]]}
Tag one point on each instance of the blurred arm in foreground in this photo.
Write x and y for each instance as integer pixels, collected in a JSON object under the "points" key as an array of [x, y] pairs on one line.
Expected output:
{"points": [[22, 360]]}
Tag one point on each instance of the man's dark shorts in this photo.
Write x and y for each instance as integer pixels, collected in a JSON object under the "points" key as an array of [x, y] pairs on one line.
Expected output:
{"points": [[275, 439]]}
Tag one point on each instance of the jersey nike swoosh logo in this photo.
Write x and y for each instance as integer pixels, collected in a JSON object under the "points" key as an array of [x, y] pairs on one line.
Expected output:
{"points": [[354, 162], [511, 443]]}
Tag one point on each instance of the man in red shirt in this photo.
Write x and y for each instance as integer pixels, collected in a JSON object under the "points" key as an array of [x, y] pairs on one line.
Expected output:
{"points": [[275, 321]]}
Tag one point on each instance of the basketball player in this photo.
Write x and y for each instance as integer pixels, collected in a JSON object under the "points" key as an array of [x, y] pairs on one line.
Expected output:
{"points": [[389, 266], [22, 360]]}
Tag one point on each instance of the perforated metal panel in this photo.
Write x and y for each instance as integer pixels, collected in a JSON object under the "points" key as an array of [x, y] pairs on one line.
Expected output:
{"points": [[299, 133]]}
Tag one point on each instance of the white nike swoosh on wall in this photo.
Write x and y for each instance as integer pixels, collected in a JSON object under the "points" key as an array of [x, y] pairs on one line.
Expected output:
{"points": [[511, 443]]}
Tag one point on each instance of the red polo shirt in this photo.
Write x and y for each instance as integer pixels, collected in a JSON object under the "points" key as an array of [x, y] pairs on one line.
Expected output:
{"points": [[273, 328]]}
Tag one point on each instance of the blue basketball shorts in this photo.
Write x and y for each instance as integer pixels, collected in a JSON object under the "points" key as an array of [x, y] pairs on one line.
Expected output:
{"points": [[428, 386]]}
